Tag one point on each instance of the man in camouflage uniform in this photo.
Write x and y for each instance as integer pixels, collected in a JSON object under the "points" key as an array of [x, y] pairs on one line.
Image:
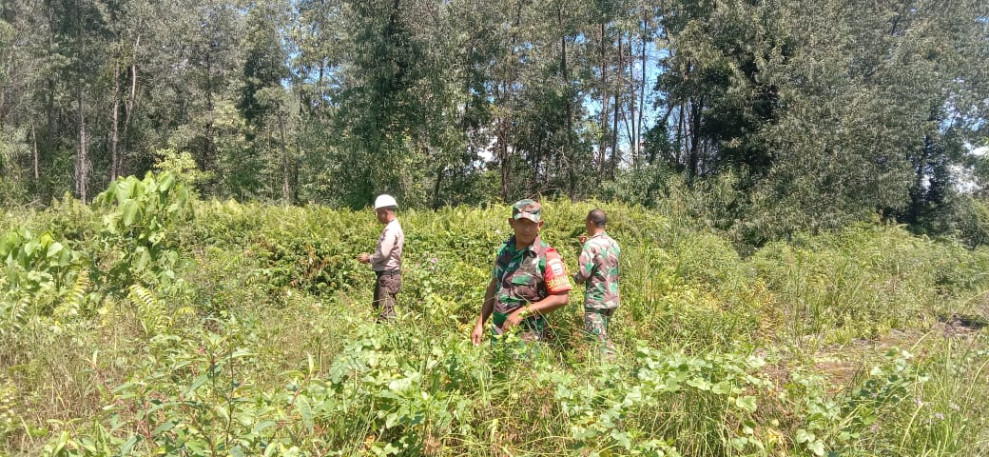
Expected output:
{"points": [[529, 279], [598, 266]]}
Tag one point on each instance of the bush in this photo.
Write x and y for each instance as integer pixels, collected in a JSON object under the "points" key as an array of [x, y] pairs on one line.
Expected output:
{"points": [[269, 346]]}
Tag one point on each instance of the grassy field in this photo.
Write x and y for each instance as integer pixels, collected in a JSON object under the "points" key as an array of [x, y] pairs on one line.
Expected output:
{"points": [[150, 323]]}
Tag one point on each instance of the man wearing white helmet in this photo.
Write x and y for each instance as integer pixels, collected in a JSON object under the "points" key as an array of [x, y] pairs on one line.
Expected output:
{"points": [[387, 258]]}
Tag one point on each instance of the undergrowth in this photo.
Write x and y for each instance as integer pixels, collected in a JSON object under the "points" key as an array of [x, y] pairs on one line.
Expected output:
{"points": [[152, 323]]}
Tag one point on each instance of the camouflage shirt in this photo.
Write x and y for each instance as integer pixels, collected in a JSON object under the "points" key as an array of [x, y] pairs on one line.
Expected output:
{"points": [[526, 276], [598, 265]]}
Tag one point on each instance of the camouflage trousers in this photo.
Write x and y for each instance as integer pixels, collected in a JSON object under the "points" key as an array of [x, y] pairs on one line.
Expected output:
{"points": [[386, 286], [596, 325]]}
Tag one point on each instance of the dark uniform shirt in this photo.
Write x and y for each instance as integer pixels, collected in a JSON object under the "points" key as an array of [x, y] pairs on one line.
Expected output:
{"points": [[525, 276]]}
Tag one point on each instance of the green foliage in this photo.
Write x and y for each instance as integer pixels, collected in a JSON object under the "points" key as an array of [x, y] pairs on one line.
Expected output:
{"points": [[141, 219], [762, 118], [41, 276], [182, 165], [969, 221], [841, 284], [269, 346]]}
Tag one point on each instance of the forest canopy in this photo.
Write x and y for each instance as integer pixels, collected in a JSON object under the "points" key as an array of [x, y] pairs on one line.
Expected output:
{"points": [[763, 117]]}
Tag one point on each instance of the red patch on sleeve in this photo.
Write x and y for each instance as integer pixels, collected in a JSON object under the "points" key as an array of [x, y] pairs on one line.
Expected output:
{"points": [[557, 280]]}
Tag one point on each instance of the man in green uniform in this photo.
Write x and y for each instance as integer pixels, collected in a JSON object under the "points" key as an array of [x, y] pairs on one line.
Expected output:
{"points": [[598, 267], [529, 279]]}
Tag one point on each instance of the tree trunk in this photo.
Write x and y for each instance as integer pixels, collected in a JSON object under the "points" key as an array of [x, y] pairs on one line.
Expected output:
{"points": [[129, 106], [50, 137], [566, 155], [269, 179], [114, 116], [437, 186], [286, 162], [504, 124], [602, 144], [503, 149], [34, 142], [615, 154], [642, 92], [696, 107], [628, 110], [81, 158], [628, 116], [671, 159], [50, 108], [208, 151], [681, 138]]}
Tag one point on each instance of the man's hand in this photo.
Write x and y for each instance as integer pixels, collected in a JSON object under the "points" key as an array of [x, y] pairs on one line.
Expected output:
{"points": [[582, 239], [478, 334], [364, 257], [513, 319]]}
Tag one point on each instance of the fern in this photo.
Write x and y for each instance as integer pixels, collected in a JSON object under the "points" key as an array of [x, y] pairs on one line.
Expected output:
{"points": [[75, 297], [149, 310], [13, 314]]}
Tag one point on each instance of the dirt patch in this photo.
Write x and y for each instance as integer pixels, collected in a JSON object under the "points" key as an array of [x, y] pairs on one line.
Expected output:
{"points": [[840, 374], [956, 325]]}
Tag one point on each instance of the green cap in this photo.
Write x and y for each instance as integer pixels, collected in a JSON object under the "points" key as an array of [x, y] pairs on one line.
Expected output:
{"points": [[527, 209]]}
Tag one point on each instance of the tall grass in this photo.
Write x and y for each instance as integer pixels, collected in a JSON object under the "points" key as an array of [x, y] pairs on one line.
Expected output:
{"points": [[270, 346]]}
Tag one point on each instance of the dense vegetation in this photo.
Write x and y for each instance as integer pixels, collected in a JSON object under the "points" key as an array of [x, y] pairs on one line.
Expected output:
{"points": [[797, 186], [151, 322], [784, 116]]}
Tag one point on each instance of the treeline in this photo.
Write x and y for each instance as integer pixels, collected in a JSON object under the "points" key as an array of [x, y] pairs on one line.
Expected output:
{"points": [[762, 117]]}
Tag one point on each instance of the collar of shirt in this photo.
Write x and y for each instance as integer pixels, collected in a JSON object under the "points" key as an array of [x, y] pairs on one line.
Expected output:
{"points": [[515, 251]]}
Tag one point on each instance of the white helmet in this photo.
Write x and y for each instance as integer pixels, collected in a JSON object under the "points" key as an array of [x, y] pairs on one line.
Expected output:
{"points": [[384, 201]]}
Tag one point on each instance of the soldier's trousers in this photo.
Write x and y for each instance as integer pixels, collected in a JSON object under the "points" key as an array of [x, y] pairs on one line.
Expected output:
{"points": [[596, 325], [386, 286]]}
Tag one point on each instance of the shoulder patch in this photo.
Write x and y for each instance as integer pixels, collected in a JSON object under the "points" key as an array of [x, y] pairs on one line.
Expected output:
{"points": [[556, 277], [556, 265]]}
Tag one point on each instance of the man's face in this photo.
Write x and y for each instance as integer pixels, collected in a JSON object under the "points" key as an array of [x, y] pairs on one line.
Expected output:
{"points": [[525, 230], [589, 226], [382, 215]]}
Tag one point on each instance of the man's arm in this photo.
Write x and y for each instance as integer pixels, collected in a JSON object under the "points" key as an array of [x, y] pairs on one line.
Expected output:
{"points": [[539, 308], [585, 266], [486, 309]]}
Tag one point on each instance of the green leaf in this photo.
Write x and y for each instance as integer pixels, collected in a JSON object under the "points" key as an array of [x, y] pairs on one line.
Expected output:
{"points": [[699, 383], [129, 445], [129, 210], [722, 388], [143, 259], [168, 425], [746, 403], [400, 385], [202, 379], [739, 443], [30, 247], [166, 180], [305, 410], [263, 425], [64, 258], [124, 189], [54, 249]]}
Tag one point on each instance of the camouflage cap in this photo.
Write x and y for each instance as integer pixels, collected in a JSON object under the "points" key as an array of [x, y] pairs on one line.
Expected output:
{"points": [[527, 209]]}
